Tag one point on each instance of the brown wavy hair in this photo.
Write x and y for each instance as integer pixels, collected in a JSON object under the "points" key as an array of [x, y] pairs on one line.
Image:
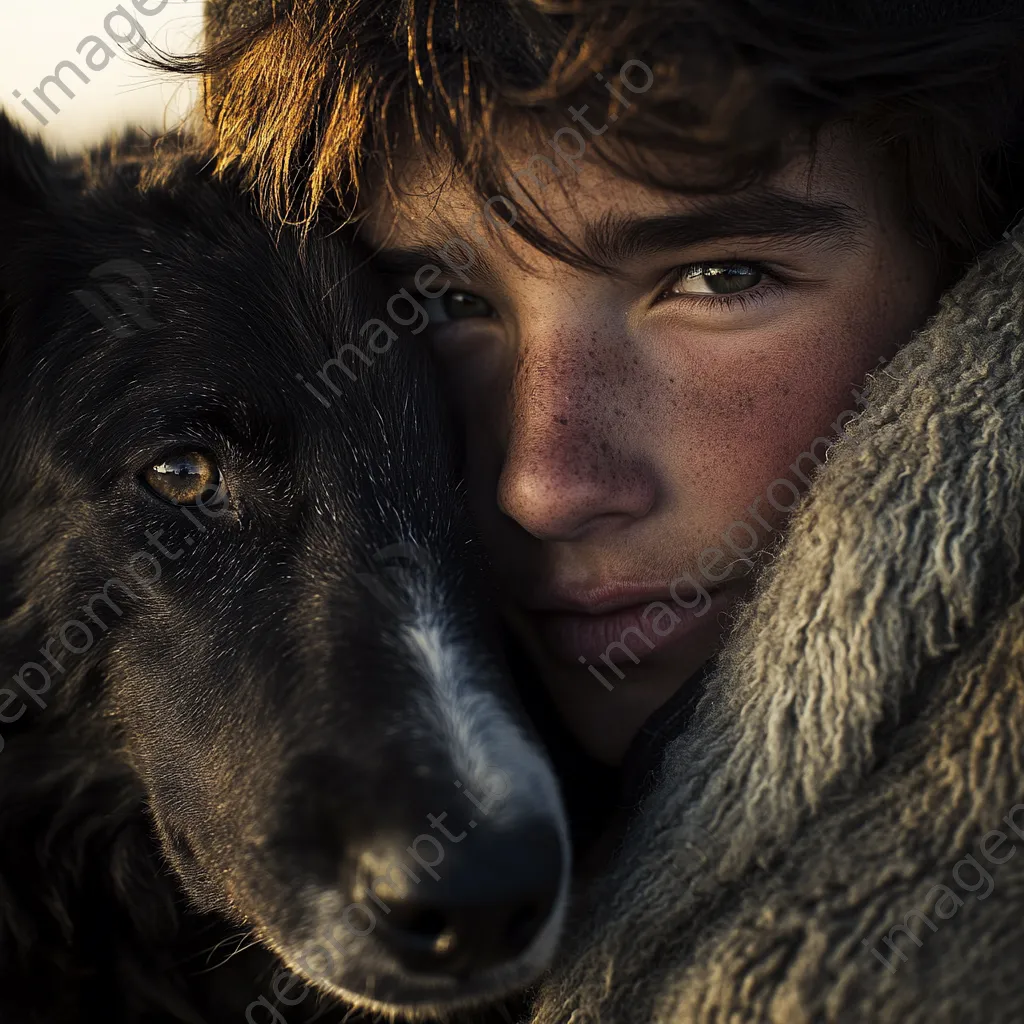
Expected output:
{"points": [[309, 100]]}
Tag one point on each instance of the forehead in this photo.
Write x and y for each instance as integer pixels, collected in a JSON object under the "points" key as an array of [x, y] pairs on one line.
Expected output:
{"points": [[587, 201]]}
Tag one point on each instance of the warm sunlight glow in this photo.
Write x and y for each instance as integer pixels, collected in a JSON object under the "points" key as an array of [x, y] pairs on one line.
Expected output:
{"points": [[110, 88]]}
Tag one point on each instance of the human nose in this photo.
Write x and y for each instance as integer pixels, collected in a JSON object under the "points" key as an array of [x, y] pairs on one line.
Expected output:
{"points": [[573, 463]]}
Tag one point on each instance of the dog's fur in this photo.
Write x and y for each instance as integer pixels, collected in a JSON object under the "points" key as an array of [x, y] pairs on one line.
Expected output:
{"points": [[249, 720], [862, 737]]}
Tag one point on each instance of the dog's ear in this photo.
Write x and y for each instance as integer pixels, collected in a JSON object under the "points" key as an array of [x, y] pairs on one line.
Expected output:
{"points": [[27, 185], [27, 177]]}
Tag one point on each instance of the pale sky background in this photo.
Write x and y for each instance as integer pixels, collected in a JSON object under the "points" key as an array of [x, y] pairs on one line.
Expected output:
{"points": [[36, 35]]}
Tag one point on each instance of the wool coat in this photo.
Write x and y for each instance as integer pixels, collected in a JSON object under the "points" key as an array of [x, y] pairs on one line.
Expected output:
{"points": [[838, 834]]}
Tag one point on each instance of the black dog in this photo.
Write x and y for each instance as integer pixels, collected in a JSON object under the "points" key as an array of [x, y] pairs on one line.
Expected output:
{"points": [[240, 631]]}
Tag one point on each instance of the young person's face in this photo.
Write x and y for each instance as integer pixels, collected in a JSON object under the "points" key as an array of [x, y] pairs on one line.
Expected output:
{"points": [[634, 438]]}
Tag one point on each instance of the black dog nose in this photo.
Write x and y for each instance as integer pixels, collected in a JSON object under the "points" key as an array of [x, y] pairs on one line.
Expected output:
{"points": [[493, 893]]}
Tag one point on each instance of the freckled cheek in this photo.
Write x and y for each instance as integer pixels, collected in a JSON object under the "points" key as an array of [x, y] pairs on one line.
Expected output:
{"points": [[743, 421]]}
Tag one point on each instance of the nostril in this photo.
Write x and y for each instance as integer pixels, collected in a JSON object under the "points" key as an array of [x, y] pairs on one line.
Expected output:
{"points": [[425, 931], [487, 908], [461, 940], [429, 924], [421, 938]]}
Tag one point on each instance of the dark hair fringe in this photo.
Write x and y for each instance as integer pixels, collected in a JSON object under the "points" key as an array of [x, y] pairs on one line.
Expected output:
{"points": [[308, 100]]}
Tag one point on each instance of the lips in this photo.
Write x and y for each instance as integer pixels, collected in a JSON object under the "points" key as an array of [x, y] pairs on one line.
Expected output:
{"points": [[622, 628]]}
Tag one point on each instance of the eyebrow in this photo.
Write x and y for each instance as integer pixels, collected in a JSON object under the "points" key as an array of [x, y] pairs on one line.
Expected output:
{"points": [[617, 239]]}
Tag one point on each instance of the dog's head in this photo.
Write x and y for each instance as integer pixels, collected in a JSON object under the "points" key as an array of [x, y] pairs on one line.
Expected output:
{"points": [[230, 524]]}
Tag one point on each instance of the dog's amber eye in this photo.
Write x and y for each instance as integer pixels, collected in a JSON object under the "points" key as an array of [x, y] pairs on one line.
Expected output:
{"points": [[186, 478]]}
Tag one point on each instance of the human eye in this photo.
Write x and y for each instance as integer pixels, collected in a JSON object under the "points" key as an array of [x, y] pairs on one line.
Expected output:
{"points": [[720, 284], [458, 305]]}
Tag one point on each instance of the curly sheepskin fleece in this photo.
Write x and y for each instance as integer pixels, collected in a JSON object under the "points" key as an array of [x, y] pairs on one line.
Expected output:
{"points": [[840, 835]]}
